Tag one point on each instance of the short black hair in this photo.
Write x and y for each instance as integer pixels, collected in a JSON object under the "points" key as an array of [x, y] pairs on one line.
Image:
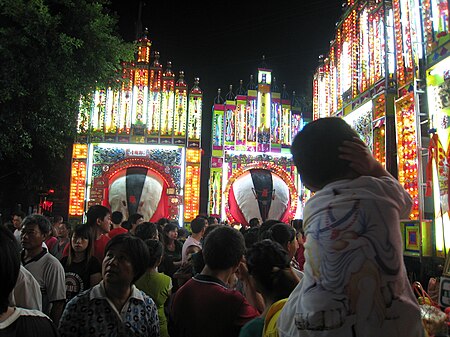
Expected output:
{"points": [[133, 218], [170, 226], [162, 222], [251, 236], [96, 212], [224, 247], [265, 227], [253, 222], [146, 230], [117, 217], [9, 265], [282, 233], [197, 225], [36, 219], [210, 219], [315, 151], [135, 248], [20, 214]]}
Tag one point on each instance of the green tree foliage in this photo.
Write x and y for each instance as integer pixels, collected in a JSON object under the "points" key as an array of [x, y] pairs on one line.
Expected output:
{"points": [[51, 52]]}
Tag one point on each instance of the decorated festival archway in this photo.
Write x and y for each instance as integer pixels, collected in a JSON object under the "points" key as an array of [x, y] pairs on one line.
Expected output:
{"points": [[260, 190], [138, 185]]}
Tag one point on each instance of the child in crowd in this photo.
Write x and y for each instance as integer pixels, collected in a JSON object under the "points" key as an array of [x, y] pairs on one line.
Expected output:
{"points": [[355, 281], [156, 285], [82, 269], [204, 306], [269, 264], [286, 236]]}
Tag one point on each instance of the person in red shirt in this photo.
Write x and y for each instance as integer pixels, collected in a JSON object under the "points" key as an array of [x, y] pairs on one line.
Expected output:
{"points": [[116, 222], [205, 306], [99, 220]]}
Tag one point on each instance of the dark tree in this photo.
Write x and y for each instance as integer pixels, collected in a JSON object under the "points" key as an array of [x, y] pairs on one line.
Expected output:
{"points": [[51, 52]]}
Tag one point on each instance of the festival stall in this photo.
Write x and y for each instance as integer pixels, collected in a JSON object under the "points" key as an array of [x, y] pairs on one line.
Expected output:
{"points": [[252, 173], [138, 146]]}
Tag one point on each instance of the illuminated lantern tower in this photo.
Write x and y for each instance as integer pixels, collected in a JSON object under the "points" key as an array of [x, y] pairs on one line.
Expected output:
{"points": [[387, 73], [138, 146], [252, 173]]}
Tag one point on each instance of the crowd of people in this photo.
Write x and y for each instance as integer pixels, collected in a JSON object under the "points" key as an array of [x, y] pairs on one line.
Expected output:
{"points": [[127, 274], [336, 272]]}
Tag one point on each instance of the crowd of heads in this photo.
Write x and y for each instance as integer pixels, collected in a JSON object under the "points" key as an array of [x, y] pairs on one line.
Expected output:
{"points": [[144, 246]]}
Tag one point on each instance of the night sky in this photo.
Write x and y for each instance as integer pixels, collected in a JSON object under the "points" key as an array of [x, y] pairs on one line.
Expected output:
{"points": [[224, 42]]}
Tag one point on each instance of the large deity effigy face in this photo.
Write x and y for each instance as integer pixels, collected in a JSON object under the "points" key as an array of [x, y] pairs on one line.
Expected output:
{"points": [[261, 194], [135, 191]]}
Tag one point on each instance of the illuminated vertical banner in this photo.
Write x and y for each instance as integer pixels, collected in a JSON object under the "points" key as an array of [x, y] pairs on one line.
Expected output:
{"points": [[230, 125], [407, 156], [140, 97], [399, 43], [192, 184], [377, 45], [168, 102], [296, 126], [389, 49], [379, 129], [251, 113], [218, 129], [364, 51], [112, 110], [215, 191], [316, 94], [345, 59], [154, 100], [338, 54], [321, 108], [286, 121], [195, 115], [241, 127], [181, 107], [78, 180], [353, 53], [326, 88], [216, 171], [140, 85], [263, 117], [405, 22], [333, 78], [276, 123], [124, 118], [98, 115], [407, 19]]}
